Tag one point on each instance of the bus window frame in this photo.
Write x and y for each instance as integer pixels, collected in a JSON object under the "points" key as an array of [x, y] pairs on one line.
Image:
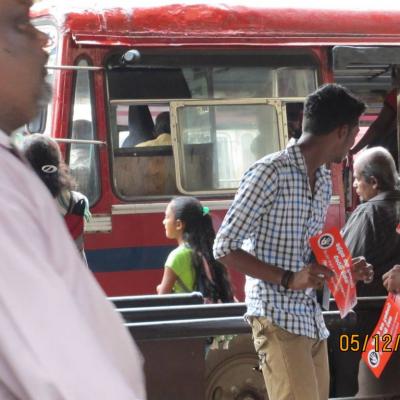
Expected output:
{"points": [[176, 136], [93, 107], [278, 103], [311, 61]]}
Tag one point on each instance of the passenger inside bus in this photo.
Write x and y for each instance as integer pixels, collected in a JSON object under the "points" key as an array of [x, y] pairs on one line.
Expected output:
{"points": [[146, 169], [140, 125], [162, 132], [192, 266]]}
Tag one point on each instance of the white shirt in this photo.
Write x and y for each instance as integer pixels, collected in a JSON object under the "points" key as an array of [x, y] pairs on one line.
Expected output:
{"points": [[60, 338]]}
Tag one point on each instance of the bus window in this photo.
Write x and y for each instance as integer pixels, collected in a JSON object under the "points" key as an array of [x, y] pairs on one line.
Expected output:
{"points": [[229, 82], [213, 134], [294, 116], [141, 169], [83, 157], [296, 82], [217, 143]]}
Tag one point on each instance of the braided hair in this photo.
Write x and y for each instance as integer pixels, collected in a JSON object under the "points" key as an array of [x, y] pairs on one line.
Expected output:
{"points": [[199, 234]]}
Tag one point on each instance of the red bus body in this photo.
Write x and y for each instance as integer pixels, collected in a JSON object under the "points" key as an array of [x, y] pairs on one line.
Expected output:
{"points": [[127, 247]]}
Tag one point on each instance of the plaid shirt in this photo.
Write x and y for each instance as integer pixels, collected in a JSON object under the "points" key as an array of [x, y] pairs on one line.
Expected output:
{"points": [[272, 217]]}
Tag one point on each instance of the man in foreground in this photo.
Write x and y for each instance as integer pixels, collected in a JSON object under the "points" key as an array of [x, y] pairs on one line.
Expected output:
{"points": [[282, 202], [59, 336]]}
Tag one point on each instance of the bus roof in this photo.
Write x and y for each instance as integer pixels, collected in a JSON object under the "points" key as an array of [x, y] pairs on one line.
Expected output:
{"points": [[271, 22]]}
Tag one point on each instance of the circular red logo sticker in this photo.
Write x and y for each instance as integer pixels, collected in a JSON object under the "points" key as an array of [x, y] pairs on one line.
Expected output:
{"points": [[325, 241]]}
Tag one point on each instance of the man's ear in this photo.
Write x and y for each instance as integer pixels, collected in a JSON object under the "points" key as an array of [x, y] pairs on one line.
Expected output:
{"points": [[374, 182], [342, 131]]}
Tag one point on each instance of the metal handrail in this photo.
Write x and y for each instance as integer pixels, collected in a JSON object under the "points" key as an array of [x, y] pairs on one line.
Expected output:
{"points": [[152, 300], [173, 327], [196, 311]]}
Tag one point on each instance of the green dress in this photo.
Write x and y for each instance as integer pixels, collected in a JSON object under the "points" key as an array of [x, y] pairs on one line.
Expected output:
{"points": [[180, 260]]}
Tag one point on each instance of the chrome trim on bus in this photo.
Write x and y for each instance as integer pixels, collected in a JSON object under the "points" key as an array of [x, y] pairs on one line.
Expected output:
{"points": [[75, 67], [147, 208], [335, 200], [99, 223], [80, 141]]}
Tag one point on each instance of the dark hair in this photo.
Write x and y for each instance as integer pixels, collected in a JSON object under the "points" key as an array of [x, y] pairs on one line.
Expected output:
{"points": [[330, 107], [199, 234], [42, 151], [162, 124], [377, 162]]}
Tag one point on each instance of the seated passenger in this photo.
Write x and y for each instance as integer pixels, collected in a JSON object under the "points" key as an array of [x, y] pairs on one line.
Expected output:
{"points": [[162, 132]]}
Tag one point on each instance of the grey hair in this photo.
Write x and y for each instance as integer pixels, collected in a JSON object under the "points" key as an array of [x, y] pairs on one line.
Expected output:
{"points": [[377, 162]]}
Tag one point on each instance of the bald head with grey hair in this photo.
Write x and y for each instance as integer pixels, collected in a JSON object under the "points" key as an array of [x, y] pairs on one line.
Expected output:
{"points": [[378, 163]]}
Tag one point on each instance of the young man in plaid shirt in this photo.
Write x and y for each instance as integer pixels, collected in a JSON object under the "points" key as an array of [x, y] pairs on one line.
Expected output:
{"points": [[281, 202]]}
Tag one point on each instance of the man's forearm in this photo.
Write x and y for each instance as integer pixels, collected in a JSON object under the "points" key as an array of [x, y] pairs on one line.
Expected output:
{"points": [[252, 266]]}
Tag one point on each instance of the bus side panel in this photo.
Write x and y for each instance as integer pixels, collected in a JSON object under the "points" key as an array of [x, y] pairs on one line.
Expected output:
{"points": [[336, 213], [129, 260], [128, 283]]}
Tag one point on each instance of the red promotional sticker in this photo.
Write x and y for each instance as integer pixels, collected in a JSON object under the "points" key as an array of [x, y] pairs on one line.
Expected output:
{"points": [[330, 250], [385, 338]]}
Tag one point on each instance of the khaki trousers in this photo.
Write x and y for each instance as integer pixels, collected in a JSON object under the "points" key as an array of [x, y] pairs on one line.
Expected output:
{"points": [[294, 367]]}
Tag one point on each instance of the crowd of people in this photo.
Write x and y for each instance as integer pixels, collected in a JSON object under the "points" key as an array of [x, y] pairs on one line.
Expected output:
{"points": [[54, 315]]}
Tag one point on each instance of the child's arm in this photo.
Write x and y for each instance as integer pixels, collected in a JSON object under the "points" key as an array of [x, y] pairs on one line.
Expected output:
{"points": [[167, 282]]}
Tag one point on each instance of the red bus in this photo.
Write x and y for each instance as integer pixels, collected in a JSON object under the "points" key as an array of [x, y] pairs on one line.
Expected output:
{"points": [[232, 78]]}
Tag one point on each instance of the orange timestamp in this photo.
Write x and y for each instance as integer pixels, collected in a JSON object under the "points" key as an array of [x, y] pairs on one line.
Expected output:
{"points": [[386, 343]]}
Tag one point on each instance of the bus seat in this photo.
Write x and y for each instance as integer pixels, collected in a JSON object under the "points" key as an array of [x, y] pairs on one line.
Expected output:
{"points": [[140, 125], [145, 176]]}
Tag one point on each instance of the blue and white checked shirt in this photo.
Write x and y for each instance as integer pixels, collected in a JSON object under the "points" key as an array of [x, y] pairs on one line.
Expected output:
{"points": [[272, 217]]}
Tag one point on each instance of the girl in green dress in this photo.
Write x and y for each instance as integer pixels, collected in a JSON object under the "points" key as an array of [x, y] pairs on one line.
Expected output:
{"points": [[192, 266]]}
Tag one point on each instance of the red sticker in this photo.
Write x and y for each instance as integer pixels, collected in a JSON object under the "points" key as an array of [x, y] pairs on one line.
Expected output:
{"points": [[331, 251], [398, 229], [386, 337]]}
